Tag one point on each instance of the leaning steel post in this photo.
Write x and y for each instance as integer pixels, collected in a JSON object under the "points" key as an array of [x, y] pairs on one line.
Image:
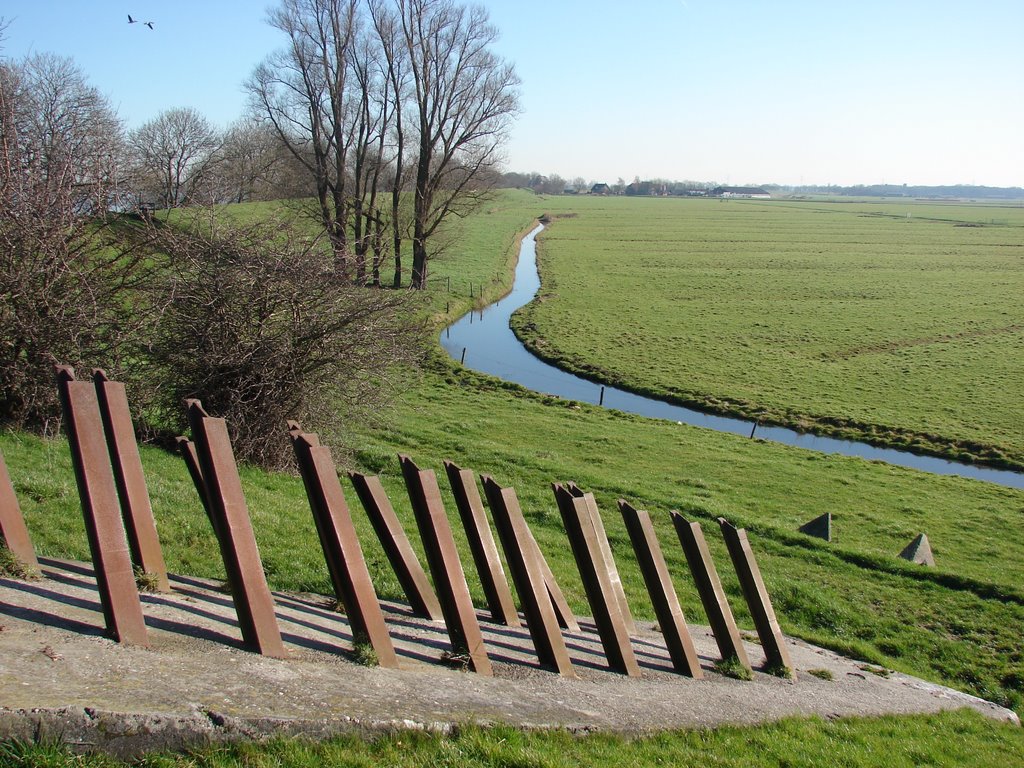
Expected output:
{"points": [[251, 595], [115, 577], [756, 595]]}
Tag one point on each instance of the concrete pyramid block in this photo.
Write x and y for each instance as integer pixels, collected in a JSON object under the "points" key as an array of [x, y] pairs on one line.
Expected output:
{"points": [[919, 551], [820, 527]]}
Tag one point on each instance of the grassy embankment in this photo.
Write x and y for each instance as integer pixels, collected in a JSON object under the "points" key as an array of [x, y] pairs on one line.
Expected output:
{"points": [[898, 323], [958, 624]]}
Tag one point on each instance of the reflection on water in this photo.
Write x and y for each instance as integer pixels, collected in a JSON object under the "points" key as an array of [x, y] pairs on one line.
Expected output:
{"points": [[484, 341]]}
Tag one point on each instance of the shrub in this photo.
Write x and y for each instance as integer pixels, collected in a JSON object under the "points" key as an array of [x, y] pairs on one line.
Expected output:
{"points": [[254, 323]]}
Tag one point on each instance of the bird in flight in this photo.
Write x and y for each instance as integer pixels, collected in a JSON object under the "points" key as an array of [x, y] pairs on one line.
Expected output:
{"points": [[136, 21]]}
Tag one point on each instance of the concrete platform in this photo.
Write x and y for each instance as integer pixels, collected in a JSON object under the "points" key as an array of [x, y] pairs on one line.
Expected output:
{"points": [[62, 679]]}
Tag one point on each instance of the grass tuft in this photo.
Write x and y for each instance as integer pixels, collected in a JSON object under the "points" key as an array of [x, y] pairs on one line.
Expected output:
{"points": [[731, 667], [779, 670], [12, 567], [364, 654], [146, 581], [879, 671]]}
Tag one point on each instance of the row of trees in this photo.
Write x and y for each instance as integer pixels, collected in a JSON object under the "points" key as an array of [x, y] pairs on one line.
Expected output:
{"points": [[179, 158], [392, 112], [552, 184], [556, 185], [374, 97], [175, 159]]}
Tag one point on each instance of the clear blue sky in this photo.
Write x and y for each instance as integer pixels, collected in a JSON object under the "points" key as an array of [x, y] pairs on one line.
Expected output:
{"points": [[734, 91]]}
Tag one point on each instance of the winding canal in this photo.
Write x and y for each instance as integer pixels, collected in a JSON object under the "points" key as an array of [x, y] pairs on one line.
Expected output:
{"points": [[483, 341]]}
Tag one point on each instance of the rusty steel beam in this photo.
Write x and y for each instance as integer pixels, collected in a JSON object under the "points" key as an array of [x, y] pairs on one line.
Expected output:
{"points": [[482, 546], [709, 587], [340, 543], [606, 553], [756, 595], [396, 546], [583, 539], [564, 614], [521, 554], [136, 509], [12, 522], [187, 449], [663, 594], [115, 578], [443, 559], [250, 593]]}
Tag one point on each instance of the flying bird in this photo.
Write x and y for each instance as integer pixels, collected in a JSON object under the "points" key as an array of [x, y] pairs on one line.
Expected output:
{"points": [[131, 20], [149, 24]]}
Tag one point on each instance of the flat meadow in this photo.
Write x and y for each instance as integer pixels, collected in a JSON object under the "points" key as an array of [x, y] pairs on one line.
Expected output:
{"points": [[897, 322], [958, 624]]}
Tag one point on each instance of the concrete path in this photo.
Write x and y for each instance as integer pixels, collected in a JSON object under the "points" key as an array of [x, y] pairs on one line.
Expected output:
{"points": [[61, 678]]}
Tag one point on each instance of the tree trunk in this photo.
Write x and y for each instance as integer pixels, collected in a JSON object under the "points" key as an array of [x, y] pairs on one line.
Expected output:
{"points": [[342, 257], [396, 197], [397, 282], [422, 206], [379, 248], [419, 264]]}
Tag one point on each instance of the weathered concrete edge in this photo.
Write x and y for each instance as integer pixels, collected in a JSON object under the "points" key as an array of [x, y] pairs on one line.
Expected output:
{"points": [[129, 735], [960, 699]]}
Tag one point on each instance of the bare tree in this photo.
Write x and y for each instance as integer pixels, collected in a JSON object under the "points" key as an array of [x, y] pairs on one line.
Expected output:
{"points": [[394, 58], [68, 136], [63, 272], [370, 122], [172, 152], [248, 164], [305, 94], [464, 98]]}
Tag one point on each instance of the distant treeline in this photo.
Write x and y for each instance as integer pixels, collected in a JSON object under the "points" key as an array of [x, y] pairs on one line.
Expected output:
{"points": [[903, 190], [554, 184]]}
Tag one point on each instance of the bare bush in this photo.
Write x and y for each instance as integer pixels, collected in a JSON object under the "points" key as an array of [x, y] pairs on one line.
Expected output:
{"points": [[260, 329]]}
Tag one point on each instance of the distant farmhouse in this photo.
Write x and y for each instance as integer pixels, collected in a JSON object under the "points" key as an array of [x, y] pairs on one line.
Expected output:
{"points": [[600, 189], [756, 192], [646, 188]]}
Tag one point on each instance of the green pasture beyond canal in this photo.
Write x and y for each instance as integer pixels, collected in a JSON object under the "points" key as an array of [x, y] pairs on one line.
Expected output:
{"points": [[899, 322]]}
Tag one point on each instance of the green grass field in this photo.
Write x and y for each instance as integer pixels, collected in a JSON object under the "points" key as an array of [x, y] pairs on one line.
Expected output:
{"points": [[896, 322], [958, 624]]}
